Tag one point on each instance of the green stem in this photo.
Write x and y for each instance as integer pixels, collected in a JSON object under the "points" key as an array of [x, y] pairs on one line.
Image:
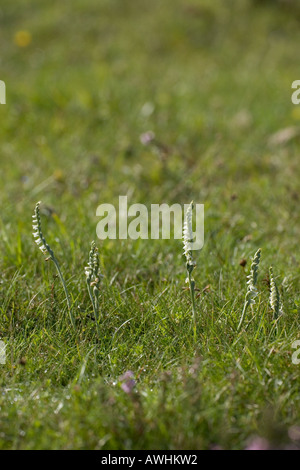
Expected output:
{"points": [[246, 305], [192, 290], [66, 291], [95, 307]]}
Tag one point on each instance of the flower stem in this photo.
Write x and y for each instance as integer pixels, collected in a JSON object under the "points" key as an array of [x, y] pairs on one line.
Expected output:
{"points": [[246, 305], [66, 291], [95, 307], [192, 290]]}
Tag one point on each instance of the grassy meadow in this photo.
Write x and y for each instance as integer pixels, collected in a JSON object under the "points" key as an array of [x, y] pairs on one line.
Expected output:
{"points": [[84, 81]]}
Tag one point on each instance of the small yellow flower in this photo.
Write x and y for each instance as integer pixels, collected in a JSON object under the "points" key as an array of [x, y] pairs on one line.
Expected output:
{"points": [[58, 175], [296, 113], [22, 38]]}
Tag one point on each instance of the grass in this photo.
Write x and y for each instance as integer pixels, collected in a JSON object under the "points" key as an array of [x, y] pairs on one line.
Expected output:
{"points": [[212, 80]]}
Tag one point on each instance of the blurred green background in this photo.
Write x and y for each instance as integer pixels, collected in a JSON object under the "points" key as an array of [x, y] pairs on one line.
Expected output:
{"points": [[85, 79], [212, 80]]}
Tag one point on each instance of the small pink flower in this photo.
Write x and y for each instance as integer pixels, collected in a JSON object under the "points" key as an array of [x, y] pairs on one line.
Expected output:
{"points": [[128, 382], [258, 443], [294, 433], [147, 138]]}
